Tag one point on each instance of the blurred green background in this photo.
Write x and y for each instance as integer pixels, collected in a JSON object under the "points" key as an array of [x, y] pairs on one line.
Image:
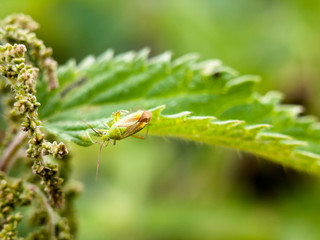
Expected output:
{"points": [[171, 189]]}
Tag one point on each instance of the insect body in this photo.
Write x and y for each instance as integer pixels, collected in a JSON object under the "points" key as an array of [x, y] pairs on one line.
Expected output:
{"points": [[122, 128], [127, 126]]}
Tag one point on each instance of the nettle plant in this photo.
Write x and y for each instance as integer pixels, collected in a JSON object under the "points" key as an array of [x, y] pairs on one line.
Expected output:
{"points": [[43, 104]]}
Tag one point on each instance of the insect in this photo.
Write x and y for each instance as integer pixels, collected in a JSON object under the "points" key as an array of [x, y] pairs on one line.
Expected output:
{"points": [[122, 128]]}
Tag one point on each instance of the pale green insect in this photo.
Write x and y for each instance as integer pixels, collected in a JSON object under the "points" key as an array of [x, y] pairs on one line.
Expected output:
{"points": [[122, 128]]}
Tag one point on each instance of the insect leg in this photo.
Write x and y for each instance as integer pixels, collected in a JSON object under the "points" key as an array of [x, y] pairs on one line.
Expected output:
{"points": [[107, 142], [113, 117], [118, 115], [138, 136]]}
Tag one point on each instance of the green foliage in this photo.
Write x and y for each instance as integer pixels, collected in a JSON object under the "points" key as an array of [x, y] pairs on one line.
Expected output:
{"points": [[195, 101], [226, 110]]}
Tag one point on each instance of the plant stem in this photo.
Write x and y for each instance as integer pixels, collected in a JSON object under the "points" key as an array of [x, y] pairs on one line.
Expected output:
{"points": [[12, 149], [50, 211]]}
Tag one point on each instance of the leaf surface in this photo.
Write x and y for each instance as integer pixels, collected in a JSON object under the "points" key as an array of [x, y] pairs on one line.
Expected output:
{"points": [[199, 101]]}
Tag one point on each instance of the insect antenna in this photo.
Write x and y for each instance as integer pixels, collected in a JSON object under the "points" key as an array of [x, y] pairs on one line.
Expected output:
{"points": [[97, 132], [147, 130]]}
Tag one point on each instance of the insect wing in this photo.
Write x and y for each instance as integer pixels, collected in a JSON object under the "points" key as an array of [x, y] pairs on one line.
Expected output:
{"points": [[133, 123], [144, 119], [134, 128], [129, 120]]}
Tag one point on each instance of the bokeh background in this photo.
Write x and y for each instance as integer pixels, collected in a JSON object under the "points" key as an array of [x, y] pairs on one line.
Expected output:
{"points": [[171, 189]]}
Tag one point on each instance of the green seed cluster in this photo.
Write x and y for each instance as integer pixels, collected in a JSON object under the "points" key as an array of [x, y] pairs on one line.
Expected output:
{"points": [[49, 175], [50, 223], [21, 57], [22, 78], [18, 28], [12, 195], [9, 229], [21, 21]]}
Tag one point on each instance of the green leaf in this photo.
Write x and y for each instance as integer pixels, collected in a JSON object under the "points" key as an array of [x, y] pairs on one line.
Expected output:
{"points": [[199, 101]]}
